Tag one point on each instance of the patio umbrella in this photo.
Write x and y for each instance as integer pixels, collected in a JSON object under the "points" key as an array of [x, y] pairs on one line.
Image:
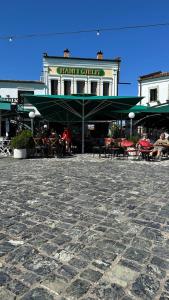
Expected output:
{"points": [[80, 108]]}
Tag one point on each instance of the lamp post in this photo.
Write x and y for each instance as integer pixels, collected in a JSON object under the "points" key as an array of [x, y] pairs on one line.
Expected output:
{"points": [[131, 115], [32, 116]]}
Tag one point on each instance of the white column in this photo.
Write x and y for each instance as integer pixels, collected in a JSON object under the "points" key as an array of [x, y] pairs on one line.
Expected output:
{"points": [[61, 86], [46, 80], [72, 87], [111, 88], [89, 87], [85, 88], [101, 88], [49, 87], [114, 83]]}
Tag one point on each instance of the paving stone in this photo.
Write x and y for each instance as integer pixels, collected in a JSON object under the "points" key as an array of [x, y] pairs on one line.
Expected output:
{"points": [[101, 264], [55, 283], [161, 252], [152, 234], [6, 294], [49, 248], [38, 294], [41, 265], [67, 271], [21, 254], [156, 271], [6, 247], [78, 288], [137, 255], [145, 287], [133, 265], [17, 287], [161, 263], [4, 278], [141, 243], [120, 275], [78, 263], [91, 275], [29, 278], [108, 291], [164, 296], [166, 285]]}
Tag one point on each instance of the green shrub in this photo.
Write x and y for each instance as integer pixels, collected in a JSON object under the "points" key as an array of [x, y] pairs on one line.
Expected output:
{"points": [[23, 140]]}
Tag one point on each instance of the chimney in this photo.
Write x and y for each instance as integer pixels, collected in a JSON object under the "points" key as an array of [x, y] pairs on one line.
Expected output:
{"points": [[66, 53], [100, 55]]}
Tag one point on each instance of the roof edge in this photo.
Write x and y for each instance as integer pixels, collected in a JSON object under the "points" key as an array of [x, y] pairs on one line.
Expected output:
{"points": [[116, 59], [22, 81]]}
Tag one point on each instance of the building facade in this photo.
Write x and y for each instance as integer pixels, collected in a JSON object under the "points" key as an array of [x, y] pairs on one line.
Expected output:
{"points": [[71, 75], [13, 89], [154, 88], [11, 94]]}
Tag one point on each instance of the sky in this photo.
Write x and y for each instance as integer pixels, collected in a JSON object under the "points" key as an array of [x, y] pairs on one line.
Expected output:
{"points": [[142, 51]]}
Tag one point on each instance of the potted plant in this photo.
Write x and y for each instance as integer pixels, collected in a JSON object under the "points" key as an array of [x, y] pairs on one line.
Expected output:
{"points": [[21, 144]]}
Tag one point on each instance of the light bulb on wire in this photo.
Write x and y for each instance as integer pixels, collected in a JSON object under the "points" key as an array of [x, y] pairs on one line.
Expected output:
{"points": [[98, 32]]}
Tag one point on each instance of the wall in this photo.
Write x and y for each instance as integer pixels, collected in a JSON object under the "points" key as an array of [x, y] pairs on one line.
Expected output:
{"points": [[162, 84], [11, 88]]}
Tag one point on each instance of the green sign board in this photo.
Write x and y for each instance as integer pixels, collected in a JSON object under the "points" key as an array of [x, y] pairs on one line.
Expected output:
{"points": [[80, 71], [5, 105]]}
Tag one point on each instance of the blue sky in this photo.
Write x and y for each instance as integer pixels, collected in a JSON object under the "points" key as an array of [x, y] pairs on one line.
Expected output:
{"points": [[142, 50]]}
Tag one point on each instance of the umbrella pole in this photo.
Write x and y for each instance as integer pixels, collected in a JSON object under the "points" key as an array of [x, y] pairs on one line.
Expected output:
{"points": [[83, 126]]}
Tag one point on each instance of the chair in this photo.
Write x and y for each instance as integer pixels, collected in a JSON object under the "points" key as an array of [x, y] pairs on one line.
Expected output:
{"points": [[5, 148], [39, 147], [98, 147], [145, 148]]}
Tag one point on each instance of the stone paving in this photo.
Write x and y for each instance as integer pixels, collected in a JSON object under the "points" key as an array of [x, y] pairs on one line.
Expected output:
{"points": [[84, 228]]}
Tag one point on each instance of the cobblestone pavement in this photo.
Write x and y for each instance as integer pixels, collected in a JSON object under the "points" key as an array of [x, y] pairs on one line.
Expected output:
{"points": [[84, 228]]}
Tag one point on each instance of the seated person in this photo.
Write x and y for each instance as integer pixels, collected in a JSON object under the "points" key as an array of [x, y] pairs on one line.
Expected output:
{"points": [[144, 137], [144, 145], [159, 145]]}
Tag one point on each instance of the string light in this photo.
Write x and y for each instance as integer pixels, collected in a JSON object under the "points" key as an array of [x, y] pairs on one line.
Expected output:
{"points": [[34, 35]]}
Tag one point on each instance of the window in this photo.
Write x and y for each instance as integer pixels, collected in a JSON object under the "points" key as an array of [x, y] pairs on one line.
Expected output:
{"points": [[105, 88], [80, 87], [20, 97], [54, 87], [67, 87], [94, 87], [153, 95]]}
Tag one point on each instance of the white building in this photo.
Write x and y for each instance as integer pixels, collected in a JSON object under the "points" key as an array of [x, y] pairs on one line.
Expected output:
{"points": [[11, 91], [71, 75], [154, 88]]}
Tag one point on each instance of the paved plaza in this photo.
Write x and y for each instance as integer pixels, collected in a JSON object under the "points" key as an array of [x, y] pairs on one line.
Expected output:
{"points": [[84, 228]]}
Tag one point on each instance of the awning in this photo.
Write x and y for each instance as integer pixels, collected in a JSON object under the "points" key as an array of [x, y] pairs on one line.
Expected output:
{"points": [[136, 109], [80, 108], [164, 108], [60, 108]]}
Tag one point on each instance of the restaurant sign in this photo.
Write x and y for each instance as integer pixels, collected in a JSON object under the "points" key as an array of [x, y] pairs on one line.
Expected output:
{"points": [[80, 71]]}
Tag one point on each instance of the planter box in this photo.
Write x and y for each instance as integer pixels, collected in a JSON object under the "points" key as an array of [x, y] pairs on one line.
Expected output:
{"points": [[20, 153]]}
